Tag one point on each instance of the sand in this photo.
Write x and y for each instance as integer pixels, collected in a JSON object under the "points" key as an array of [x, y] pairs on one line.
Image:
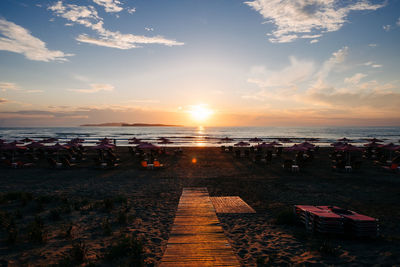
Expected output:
{"points": [[100, 206]]}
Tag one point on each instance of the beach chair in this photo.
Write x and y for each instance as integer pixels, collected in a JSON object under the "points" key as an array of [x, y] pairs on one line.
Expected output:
{"points": [[157, 164], [320, 220], [356, 224], [143, 164]]}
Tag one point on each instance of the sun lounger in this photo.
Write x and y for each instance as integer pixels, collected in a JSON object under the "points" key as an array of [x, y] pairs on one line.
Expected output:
{"points": [[335, 220]]}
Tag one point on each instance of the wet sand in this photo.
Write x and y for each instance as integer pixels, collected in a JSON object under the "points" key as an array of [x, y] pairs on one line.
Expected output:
{"points": [[99, 207]]}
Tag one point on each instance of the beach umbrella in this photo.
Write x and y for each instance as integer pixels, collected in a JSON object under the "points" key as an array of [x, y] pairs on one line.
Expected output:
{"points": [[103, 146], [16, 142], [241, 143], [77, 140], [347, 148], [165, 142], [255, 139], [390, 147], [265, 145], [148, 146], [134, 140], [374, 140], [226, 139], [27, 140], [285, 140], [35, 145], [49, 140], [344, 139], [12, 147], [296, 148], [338, 144], [307, 145], [372, 144], [274, 143]]}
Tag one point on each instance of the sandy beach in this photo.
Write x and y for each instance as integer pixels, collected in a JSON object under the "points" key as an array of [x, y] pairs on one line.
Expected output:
{"points": [[76, 215]]}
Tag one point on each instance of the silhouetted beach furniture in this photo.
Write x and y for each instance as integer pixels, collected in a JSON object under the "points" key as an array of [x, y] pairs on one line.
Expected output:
{"points": [[335, 220], [319, 220], [53, 163]]}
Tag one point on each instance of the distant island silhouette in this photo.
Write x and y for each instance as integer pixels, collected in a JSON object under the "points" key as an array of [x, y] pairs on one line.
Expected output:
{"points": [[123, 124]]}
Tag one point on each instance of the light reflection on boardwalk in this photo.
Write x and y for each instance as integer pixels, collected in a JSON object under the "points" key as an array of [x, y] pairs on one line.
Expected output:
{"points": [[196, 238]]}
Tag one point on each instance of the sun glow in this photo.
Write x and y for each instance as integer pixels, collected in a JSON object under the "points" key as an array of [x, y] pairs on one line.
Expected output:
{"points": [[200, 113]]}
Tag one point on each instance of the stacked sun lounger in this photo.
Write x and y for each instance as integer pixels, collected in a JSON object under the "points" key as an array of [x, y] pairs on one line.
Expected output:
{"points": [[357, 224], [320, 220], [334, 220]]}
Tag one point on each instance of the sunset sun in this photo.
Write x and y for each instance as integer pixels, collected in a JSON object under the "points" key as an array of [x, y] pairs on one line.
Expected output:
{"points": [[200, 113]]}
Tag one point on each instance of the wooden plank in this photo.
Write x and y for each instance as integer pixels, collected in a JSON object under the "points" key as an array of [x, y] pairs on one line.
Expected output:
{"points": [[231, 205], [196, 238]]}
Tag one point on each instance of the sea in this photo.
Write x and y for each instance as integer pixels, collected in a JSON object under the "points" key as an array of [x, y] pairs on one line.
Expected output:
{"points": [[205, 136]]}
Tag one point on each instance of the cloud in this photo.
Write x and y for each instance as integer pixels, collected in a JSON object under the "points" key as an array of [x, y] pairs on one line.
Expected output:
{"points": [[88, 17], [34, 91], [398, 22], [298, 71], [355, 79], [17, 39], [94, 88], [131, 10], [5, 86], [387, 27], [298, 18], [373, 45], [149, 29], [314, 41], [372, 64], [110, 5], [3, 100]]}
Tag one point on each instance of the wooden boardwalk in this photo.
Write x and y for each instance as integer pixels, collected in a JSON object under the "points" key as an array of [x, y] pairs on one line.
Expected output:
{"points": [[231, 205], [196, 238]]}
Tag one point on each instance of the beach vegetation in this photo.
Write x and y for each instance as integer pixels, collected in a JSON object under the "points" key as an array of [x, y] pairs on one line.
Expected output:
{"points": [[106, 226], [76, 255], [36, 232], [129, 249], [122, 216]]}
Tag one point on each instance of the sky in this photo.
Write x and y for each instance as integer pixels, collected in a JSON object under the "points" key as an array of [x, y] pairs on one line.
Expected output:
{"points": [[200, 62]]}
